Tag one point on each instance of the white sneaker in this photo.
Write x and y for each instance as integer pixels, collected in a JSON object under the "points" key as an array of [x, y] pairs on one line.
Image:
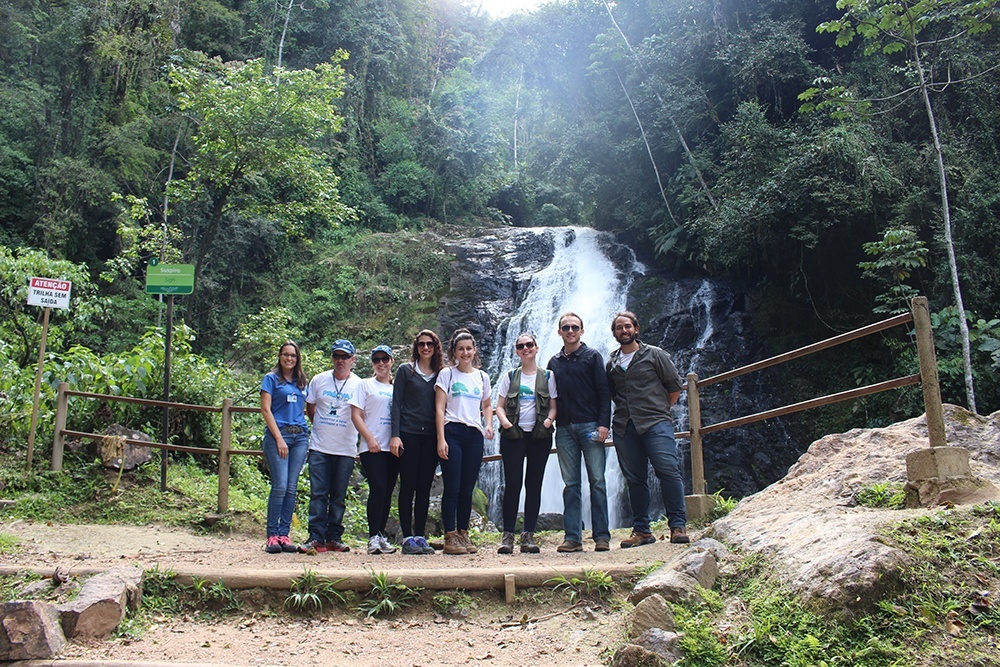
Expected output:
{"points": [[375, 544], [385, 545]]}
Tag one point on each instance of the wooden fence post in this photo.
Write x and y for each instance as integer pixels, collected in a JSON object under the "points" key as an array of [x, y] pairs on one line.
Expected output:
{"points": [[694, 421], [928, 371], [62, 407], [225, 444]]}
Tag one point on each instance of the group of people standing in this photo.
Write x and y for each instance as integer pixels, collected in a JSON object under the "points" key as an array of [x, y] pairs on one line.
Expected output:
{"points": [[434, 414]]}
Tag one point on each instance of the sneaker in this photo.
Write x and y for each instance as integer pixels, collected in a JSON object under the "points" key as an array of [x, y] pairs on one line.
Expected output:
{"points": [[569, 546], [374, 545], [273, 545], [637, 539], [385, 546], [602, 544], [679, 535], [338, 547], [312, 547], [286, 544], [425, 548], [411, 547], [506, 543]]}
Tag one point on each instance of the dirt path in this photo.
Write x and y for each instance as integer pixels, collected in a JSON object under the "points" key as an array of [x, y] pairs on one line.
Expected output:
{"points": [[490, 633]]}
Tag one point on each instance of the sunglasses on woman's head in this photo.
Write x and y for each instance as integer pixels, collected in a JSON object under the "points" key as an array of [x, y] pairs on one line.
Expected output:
{"points": [[524, 346]]}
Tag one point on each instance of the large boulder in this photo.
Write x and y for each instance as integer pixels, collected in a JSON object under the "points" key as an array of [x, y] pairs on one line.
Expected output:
{"points": [[29, 630], [102, 603], [823, 546]]}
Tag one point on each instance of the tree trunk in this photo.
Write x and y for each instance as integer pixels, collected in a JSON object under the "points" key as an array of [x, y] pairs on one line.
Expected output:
{"points": [[963, 325], [649, 150]]}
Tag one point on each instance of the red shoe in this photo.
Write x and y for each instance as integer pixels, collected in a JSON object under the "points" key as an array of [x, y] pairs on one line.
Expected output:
{"points": [[312, 547], [338, 547]]}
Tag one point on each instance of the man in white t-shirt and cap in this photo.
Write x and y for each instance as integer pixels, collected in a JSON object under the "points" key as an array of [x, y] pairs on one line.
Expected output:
{"points": [[333, 444]]}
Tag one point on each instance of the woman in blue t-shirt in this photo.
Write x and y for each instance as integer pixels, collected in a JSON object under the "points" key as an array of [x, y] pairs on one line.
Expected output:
{"points": [[286, 441]]}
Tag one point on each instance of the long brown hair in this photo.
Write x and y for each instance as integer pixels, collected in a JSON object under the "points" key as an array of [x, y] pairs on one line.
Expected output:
{"points": [[437, 360], [299, 376]]}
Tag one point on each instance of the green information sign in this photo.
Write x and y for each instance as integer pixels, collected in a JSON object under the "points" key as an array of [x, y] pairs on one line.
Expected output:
{"points": [[169, 278]]}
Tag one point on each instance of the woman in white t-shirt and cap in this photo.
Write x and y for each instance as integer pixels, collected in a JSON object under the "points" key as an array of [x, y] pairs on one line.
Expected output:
{"points": [[371, 412], [464, 418], [526, 410]]}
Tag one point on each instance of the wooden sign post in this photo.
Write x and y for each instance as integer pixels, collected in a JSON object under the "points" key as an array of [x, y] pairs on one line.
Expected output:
{"points": [[48, 293]]}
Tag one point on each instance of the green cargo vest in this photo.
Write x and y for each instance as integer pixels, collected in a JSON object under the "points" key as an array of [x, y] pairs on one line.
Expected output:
{"points": [[513, 409]]}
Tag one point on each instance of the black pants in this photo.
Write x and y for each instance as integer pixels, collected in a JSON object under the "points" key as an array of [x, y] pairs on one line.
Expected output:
{"points": [[416, 474], [381, 469], [514, 453]]}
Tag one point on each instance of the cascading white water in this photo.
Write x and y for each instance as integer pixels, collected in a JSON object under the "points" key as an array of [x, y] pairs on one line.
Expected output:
{"points": [[581, 279]]}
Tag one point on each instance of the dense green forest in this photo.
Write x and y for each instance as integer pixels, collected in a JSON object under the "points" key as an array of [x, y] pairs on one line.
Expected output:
{"points": [[294, 153]]}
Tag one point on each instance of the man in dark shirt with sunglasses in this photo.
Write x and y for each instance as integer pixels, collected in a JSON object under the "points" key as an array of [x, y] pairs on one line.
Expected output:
{"points": [[582, 422]]}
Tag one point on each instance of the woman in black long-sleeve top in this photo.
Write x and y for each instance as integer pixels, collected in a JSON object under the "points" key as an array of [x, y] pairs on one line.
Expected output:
{"points": [[414, 439]]}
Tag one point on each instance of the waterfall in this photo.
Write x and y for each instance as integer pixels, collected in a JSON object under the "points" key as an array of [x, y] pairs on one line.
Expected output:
{"points": [[580, 278], [509, 281]]}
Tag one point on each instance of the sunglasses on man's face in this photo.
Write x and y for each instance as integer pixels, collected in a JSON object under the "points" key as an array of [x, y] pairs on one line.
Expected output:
{"points": [[524, 346], [341, 357], [425, 343], [570, 327]]}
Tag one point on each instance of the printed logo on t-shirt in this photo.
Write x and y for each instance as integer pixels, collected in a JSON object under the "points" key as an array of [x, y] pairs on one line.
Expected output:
{"points": [[527, 392], [459, 390]]}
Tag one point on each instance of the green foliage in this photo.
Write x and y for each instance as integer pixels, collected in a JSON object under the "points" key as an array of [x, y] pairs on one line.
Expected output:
{"points": [[594, 585], [259, 337], [721, 506], [310, 592], [896, 256], [881, 495], [984, 338], [214, 596], [9, 544], [387, 598], [454, 603]]}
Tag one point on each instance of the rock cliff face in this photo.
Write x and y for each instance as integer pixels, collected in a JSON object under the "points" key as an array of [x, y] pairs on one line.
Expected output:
{"points": [[825, 547]]}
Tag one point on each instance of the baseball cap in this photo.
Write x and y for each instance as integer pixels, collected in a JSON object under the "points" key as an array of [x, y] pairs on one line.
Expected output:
{"points": [[382, 348], [341, 345]]}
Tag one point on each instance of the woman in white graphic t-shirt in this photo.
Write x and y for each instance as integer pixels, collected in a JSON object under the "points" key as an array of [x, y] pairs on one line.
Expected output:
{"points": [[464, 418]]}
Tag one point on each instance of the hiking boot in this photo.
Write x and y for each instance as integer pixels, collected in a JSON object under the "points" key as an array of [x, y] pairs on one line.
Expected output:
{"points": [[453, 544], [679, 535], [425, 548], [374, 545], [466, 542], [637, 539], [602, 544], [338, 547], [569, 546], [272, 546], [385, 546], [312, 547], [528, 545], [506, 543], [286, 544]]}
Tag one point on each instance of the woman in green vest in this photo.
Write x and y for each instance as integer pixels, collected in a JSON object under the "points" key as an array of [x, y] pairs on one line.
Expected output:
{"points": [[526, 409]]}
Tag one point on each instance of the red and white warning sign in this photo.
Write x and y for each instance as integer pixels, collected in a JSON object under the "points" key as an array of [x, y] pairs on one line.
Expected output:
{"points": [[49, 292]]}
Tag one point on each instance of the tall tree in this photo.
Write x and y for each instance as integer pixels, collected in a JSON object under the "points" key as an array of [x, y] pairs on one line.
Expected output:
{"points": [[257, 145], [922, 30]]}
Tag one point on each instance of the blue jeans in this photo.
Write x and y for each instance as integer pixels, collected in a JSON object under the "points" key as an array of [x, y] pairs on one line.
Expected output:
{"points": [[329, 475], [460, 474], [284, 474], [572, 442], [657, 447]]}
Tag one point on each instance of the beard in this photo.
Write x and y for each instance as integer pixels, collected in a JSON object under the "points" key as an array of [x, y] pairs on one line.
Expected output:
{"points": [[626, 338]]}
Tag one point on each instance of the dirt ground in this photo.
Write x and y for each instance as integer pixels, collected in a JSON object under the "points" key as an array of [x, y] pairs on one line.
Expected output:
{"points": [[550, 632]]}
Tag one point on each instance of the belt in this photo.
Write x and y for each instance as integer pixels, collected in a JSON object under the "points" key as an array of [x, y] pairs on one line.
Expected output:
{"points": [[292, 430]]}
